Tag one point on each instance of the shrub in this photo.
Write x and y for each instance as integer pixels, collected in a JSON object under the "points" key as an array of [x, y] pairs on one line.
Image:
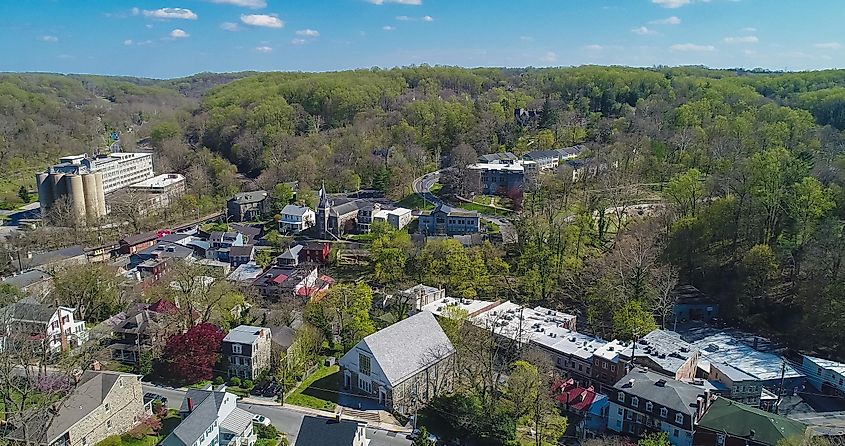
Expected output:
{"points": [[235, 381], [248, 384], [219, 380], [269, 432]]}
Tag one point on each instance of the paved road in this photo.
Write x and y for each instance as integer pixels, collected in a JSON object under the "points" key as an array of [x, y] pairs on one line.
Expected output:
{"points": [[285, 419], [422, 186]]}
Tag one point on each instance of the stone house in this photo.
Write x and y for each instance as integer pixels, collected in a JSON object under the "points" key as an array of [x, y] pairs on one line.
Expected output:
{"points": [[447, 220], [102, 404], [246, 206], [245, 351], [403, 366]]}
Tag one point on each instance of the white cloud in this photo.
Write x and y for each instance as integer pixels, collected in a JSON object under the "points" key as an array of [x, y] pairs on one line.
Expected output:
{"points": [[51, 39], [594, 47], [171, 13], [526, 38], [128, 42], [403, 18], [643, 31], [741, 39], [550, 56], [672, 4], [148, 26], [692, 47], [229, 26], [135, 11], [264, 49], [298, 42], [749, 30], [178, 34], [308, 32], [674, 20], [254, 4], [428, 18], [267, 21], [828, 45], [388, 28], [398, 2]]}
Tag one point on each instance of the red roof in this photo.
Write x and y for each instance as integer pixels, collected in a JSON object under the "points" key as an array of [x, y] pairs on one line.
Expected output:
{"points": [[577, 397], [280, 278], [306, 291], [327, 279], [164, 307]]}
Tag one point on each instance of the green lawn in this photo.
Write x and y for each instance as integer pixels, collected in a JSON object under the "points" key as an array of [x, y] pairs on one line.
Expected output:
{"points": [[168, 423], [318, 391], [414, 201], [487, 210]]}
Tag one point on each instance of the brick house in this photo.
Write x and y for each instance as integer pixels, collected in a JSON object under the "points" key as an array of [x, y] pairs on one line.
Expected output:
{"points": [[403, 366], [102, 404], [138, 242], [315, 252], [245, 351]]}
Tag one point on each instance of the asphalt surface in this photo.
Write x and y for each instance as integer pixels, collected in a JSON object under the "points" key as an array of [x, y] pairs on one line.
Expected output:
{"points": [[285, 419], [422, 186]]}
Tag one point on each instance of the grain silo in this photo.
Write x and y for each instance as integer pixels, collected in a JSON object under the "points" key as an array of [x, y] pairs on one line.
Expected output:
{"points": [[101, 194], [92, 206], [76, 195], [45, 190]]}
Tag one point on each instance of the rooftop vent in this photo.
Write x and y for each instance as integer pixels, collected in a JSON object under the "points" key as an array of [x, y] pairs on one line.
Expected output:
{"points": [[660, 383]]}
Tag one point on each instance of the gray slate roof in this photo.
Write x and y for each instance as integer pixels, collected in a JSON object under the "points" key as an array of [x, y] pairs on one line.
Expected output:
{"points": [[57, 255], [206, 404], [326, 432], [676, 395], [408, 346], [291, 253], [244, 334], [30, 311], [87, 396], [292, 209], [249, 197], [26, 278]]}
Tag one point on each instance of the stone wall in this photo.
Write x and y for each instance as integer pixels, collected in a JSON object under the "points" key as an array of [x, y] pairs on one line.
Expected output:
{"points": [[125, 409]]}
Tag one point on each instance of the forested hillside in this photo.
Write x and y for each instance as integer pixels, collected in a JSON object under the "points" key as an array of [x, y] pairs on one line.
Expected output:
{"points": [[748, 163]]}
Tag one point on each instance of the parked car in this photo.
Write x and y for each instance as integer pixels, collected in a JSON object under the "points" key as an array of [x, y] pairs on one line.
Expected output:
{"points": [[149, 396], [258, 390], [261, 419], [271, 390]]}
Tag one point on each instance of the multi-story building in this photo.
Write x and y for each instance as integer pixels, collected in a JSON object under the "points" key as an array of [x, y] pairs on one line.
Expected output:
{"points": [[398, 218], [315, 252], [728, 423], [571, 352], [212, 418], [421, 295], [644, 401], [550, 159], [446, 220], [331, 432], [161, 190], [53, 328], [248, 206], [665, 352], [246, 351], [140, 330], [296, 218], [738, 385], [824, 375], [506, 178], [101, 405], [610, 363], [403, 366]]}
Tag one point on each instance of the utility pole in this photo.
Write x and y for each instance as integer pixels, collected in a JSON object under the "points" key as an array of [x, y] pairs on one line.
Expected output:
{"points": [[780, 389]]}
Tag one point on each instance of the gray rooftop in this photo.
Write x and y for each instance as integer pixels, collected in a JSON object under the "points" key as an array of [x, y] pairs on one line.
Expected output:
{"points": [[650, 386], [244, 334], [206, 404], [46, 258], [326, 432], [26, 278], [292, 209], [665, 348], [87, 396], [291, 253], [408, 346], [249, 197], [733, 373]]}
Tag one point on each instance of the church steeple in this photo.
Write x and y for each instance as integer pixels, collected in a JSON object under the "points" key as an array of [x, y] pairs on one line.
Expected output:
{"points": [[324, 198]]}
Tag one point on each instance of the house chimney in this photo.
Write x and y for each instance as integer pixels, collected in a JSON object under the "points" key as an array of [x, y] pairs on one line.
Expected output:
{"points": [[190, 405]]}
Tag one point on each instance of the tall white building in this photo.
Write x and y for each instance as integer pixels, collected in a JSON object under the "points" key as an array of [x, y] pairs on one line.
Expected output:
{"points": [[121, 169]]}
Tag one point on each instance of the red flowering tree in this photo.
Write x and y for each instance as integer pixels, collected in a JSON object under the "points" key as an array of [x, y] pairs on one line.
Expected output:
{"points": [[191, 356]]}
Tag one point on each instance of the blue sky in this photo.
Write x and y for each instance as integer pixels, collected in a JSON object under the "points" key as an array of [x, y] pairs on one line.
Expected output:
{"points": [[170, 38]]}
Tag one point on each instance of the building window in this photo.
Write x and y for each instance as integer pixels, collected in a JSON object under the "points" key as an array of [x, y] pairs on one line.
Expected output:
{"points": [[629, 414], [635, 402], [107, 407], [663, 412], [237, 349], [621, 397], [604, 365], [612, 368], [364, 364], [676, 432], [720, 439], [648, 406], [619, 411], [108, 424], [679, 418]]}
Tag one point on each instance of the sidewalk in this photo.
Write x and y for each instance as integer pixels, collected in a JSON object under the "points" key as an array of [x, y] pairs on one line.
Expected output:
{"points": [[374, 420]]}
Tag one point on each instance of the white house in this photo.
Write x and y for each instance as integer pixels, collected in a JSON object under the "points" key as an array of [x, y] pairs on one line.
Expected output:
{"points": [[402, 366], [56, 325], [825, 375], [296, 218], [212, 418], [398, 218]]}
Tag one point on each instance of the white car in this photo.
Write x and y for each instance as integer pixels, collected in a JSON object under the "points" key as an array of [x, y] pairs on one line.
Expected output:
{"points": [[261, 419]]}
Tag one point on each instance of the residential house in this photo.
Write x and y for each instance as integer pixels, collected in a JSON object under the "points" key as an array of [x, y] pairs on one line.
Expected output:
{"points": [[141, 329], [246, 273], [737, 385], [315, 252], [730, 423], [290, 256], [248, 206], [162, 250], [251, 233], [421, 295], [584, 406], [824, 375], [239, 255], [152, 269], [396, 217], [402, 366], [212, 418], [447, 220], [33, 282], [55, 327], [214, 267], [298, 281], [665, 352], [644, 401], [101, 405], [138, 242], [321, 431], [245, 351], [220, 243], [610, 363], [50, 260], [692, 305], [296, 218]]}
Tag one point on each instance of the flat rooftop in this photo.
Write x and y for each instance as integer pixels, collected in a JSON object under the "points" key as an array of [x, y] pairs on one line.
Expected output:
{"points": [[515, 166], [725, 348], [160, 181]]}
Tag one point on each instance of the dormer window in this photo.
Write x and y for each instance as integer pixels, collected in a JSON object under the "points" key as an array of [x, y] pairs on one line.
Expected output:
{"points": [[663, 412], [621, 397], [635, 402], [679, 418], [648, 406]]}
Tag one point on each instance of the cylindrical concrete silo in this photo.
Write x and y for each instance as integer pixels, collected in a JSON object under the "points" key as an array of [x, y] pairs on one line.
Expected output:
{"points": [[45, 190], [59, 187], [101, 194], [89, 184], [76, 192]]}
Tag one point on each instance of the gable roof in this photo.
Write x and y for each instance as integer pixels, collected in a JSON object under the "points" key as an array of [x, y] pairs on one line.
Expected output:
{"points": [[410, 345], [292, 209], [241, 251], [739, 420], [89, 394], [139, 238], [27, 310], [245, 334], [650, 386], [326, 432], [206, 404], [249, 197], [57, 255]]}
